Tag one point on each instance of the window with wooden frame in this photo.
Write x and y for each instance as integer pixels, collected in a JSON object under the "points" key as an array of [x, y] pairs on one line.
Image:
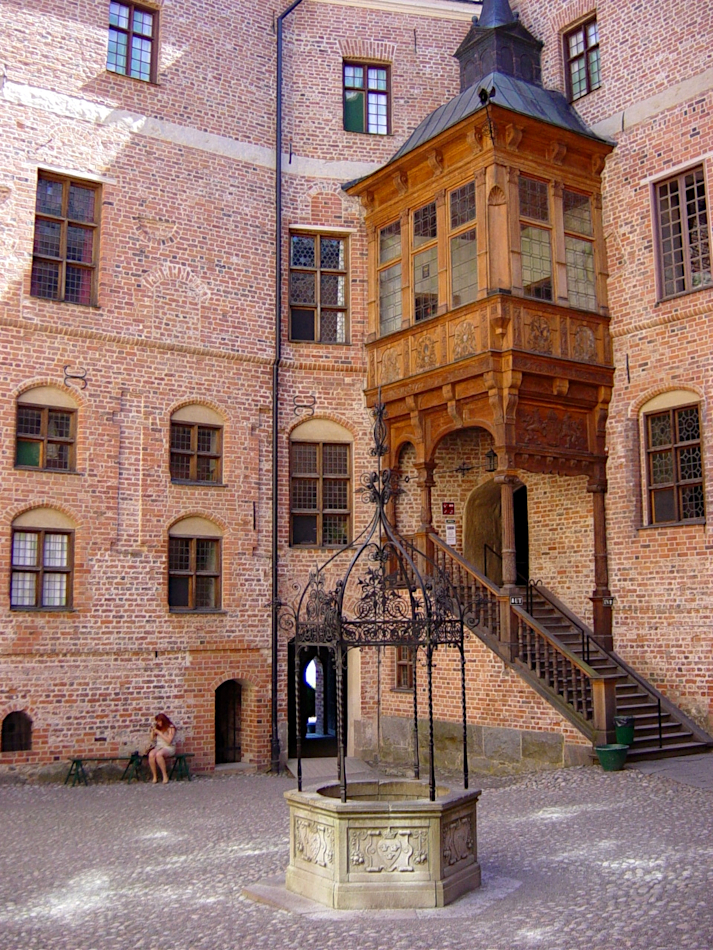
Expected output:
{"points": [[535, 238], [389, 277], [320, 494], [579, 250], [41, 569], [684, 246], [425, 262], [581, 56], [674, 465], [196, 452], [66, 242], [318, 288], [366, 98], [194, 567], [133, 34], [463, 243], [404, 668], [45, 437]]}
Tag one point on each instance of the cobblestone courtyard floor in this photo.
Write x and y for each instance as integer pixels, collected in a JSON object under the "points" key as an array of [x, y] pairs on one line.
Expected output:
{"points": [[576, 858]]}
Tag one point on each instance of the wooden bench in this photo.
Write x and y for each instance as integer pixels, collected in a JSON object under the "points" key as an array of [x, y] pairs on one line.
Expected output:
{"points": [[133, 769]]}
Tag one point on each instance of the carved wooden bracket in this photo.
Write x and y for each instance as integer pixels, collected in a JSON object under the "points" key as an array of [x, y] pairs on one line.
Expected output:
{"points": [[416, 417], [597, 164], [452, 403], [560, 387], [513, 136], [435, 160], [556, 152], [401, 182], [367, 200], [474, 138]]}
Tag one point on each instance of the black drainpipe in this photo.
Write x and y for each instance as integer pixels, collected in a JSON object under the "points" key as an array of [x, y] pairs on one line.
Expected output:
{"points": [[274, 738]]}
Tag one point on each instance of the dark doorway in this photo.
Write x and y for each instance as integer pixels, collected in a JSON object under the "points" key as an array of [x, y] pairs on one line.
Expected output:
{"points": [[228, 713], [522, 535], [318, 702], [16, 732]]}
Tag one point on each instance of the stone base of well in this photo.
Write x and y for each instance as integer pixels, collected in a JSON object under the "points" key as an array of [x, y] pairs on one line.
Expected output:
{"points": [[388, 846]]}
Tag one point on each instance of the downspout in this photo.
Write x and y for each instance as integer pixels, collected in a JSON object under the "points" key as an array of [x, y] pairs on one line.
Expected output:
{"points": [[274, 738]]}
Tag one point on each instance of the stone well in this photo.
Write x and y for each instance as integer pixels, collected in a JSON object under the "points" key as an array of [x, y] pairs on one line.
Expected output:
{"points": [[388, 846]]}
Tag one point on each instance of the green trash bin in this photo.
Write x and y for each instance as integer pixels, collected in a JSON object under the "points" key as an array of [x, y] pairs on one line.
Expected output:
{"points": [[624, 728]]}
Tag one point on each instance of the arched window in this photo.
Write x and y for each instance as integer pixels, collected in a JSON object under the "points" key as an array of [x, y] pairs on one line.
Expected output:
{"points": [[16, 732], [196, 445], [320, 484], [674, 461], [194, 565], [46, 430], [42, 560]]}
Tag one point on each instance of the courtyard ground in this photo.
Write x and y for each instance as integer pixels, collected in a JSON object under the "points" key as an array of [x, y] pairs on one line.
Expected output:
{"points": [[575, 858]]}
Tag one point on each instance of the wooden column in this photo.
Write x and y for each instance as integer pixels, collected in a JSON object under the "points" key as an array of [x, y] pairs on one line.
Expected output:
{"points": [[601, 598], [425, 484], [508, 621]]}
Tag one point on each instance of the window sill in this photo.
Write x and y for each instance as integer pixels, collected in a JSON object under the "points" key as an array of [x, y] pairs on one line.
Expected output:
{"points": [[319, 547], [317, 343], [49, 471], [371, 135], [684, 293], [180, 481], [44, 610], [67, 303], [673, 524], [191, 612], [402, 689], [135, 79]]}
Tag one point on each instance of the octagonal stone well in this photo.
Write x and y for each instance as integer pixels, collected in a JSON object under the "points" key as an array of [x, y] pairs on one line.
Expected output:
{"points": [[388, 846]]}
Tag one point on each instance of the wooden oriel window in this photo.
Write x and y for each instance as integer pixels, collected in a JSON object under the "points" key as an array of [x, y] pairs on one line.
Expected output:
{"points": [[133, 33], [404, 668], [196, 453], [320, 494], [194, 573], [66, 242], [318, 288], [366, 98], [683, 233], [45, 437], [389, 276], [674, 465], [579, 250], [41, 572], [581, 55], [535, 238], [463, 245]]}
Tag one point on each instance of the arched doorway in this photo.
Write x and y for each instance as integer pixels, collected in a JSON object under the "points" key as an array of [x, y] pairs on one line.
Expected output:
{"points": [[16, 733], [482, 532], [318, 702], [228, 714]]}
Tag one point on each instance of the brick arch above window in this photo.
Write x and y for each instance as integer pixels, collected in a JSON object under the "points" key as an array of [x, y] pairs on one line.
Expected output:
{"points": [[665, 396], [42, 560], [320, 484], [196, 445], [46, 429]]}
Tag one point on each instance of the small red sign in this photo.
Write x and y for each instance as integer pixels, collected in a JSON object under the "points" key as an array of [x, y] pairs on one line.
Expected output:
{"points": [[449, 507]]}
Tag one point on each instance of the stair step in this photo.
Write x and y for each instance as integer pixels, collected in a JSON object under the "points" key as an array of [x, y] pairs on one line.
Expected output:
{"points": [[684, 748], [652, 741]]}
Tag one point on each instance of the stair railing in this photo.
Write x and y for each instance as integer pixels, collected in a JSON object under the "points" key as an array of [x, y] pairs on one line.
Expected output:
{"points": [[479, 596], [537, 586]]}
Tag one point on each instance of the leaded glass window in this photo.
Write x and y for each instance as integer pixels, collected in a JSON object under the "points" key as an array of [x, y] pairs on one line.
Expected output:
{"points": [[133, 32], [581, 52], [463, 246], [318, 288], [320, 494], [41, 572], [196, 452], [683, 233], [389, 269], [45, 437], [194, 573], [674, 465]]}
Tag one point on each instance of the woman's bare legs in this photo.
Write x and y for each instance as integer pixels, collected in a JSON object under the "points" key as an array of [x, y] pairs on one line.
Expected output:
{"points": [[152, 764], [160, 758]]}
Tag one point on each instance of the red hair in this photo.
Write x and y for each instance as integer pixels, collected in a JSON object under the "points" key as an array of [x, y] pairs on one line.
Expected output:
{"points": [[163, 722]]}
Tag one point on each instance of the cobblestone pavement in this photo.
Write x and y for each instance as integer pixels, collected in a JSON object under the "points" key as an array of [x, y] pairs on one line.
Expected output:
{"points": [[576, 858]]}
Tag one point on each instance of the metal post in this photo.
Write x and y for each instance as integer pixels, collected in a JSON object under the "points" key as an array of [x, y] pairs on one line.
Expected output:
{"points": [[339, 661], [432, 767], [465, 721], [416, 763], [298, 723]]}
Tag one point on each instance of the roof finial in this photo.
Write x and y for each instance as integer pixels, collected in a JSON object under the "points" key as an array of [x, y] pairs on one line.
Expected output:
{"points": [[495, 13]]}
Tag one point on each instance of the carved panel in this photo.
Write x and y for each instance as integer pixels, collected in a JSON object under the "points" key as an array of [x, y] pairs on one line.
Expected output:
{"points": [[391, 366], [425, 357], [539, 335], [392, 850], [465, 340], [314, 842], [458, 840], [585, 344], [543, 427]]}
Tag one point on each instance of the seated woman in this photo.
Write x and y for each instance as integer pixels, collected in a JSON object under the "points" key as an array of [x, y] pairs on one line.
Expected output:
{"points": [[163, 734]]}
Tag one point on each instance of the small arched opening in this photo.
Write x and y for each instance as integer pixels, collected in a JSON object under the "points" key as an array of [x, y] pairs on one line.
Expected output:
{"points": [[17, 732], [228, 722]]}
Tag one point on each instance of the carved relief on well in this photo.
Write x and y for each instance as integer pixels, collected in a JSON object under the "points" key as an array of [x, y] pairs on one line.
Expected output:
{"points": [[314, 842], [539, 334], [584, 346], [546, 427], [425, 356], [389, 850], [458, 842], [465, 341], [391, 365]]}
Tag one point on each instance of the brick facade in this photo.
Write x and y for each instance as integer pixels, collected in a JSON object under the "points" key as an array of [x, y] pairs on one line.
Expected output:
{"points": [[185, 316]]}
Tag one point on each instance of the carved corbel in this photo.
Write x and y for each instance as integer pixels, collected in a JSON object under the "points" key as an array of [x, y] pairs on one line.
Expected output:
{"points": [[400, 180], [556, 152], [560, 387], [513, 136], [452, 403], [496, 407], [416, 417], [597, 164], [367, 200], [511, 394], [474, 138], [435, 160]]}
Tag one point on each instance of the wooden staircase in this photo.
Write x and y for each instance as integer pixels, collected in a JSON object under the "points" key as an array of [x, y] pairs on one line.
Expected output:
{"points": [[556, 653]]}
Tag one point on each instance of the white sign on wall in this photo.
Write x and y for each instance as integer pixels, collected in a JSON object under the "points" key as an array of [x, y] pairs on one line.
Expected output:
{"points": [[450, 531]]}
